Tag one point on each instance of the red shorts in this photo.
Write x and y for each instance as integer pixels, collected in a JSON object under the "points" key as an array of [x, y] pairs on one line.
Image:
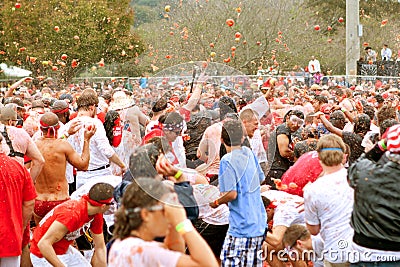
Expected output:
{"points": [[42, 207]]}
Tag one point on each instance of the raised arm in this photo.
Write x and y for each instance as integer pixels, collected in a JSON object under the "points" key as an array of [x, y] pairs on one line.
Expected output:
{"points": [[15, 85], [200, 252], [328, 125], [194, 98], [81, 162]]}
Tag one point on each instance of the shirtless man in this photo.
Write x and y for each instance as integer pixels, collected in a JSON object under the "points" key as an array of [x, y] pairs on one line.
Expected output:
{"points": [[51, 184]]}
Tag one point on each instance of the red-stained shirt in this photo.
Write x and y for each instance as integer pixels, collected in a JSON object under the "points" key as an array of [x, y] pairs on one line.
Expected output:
{"points": [[16, 186], [74, 215], [306, 170], [185, 113]]}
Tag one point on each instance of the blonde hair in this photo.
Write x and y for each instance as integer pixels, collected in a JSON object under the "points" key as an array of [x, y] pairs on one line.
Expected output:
{"points": [[331, 149]]}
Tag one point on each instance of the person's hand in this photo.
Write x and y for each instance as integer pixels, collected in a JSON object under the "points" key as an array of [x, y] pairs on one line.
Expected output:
{"points": [[74, 127], [202, 78], [265, 188], [368, 145], [173, 209], [319, 114], [213, 205], [164, 167], [123, 169], [270, 93], [90, 130]]}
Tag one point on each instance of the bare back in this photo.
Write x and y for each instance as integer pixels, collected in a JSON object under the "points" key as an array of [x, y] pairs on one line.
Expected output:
{"points": [[51, 184]]}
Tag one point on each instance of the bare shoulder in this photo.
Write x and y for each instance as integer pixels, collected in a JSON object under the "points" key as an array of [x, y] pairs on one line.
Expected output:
{"points": [[52, 144]]}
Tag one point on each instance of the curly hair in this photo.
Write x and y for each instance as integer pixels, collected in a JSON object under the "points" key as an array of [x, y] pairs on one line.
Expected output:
{"points": [[86, 99], [384, 113], [109, 120], [141, 193]]}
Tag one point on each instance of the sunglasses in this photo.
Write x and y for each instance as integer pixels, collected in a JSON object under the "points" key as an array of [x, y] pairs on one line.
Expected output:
{"points": [[151, 208], [296, 120], [175, 131]]}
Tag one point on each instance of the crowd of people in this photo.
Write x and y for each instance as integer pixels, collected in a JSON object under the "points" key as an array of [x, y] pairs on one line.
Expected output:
{"points": [[264, 172]]}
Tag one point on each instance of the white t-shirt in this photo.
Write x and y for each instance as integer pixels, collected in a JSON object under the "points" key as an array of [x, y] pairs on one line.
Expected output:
{"points": [[314, 66], [258, 147], [179, 151], [204, 195], [281, 197], [288, 208], [329, 202], [134, 251], [288, 214]]}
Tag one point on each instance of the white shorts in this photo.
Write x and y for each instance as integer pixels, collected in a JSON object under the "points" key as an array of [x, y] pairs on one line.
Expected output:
{"points": [[10, 261], [71, 259], [84, 177]]}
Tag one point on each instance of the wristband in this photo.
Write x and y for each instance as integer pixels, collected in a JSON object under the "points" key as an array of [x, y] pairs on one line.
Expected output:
{"points": [[64, 136], [382, 146], [178, 174], [184, 227], [344, 110], [216, 202]]}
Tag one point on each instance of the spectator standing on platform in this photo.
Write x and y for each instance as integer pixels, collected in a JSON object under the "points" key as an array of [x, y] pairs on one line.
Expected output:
{"points": [[386, 53], [314, 66], [370, 54]]}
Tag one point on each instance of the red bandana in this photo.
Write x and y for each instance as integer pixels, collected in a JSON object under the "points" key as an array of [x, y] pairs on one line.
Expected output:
{"points": [[60, 110], [50, 128], [97, 203]]}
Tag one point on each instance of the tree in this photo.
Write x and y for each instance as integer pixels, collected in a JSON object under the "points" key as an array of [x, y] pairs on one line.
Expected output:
{"points": [[272, 35], [277, 35], [62, 38]]}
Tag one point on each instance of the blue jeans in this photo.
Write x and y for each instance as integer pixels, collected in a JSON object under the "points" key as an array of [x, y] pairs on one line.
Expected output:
{"points": [[377, 264]]}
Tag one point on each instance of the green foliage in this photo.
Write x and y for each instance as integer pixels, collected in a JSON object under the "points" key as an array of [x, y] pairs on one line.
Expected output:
{"points": [[86, 31], [185, 33]]}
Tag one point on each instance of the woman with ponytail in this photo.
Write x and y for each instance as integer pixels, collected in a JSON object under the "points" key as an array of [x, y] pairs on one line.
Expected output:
{"points": [[149, 210]]}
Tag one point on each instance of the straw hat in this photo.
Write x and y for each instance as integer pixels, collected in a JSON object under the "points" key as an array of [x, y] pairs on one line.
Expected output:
{"points": [[121, 101]]}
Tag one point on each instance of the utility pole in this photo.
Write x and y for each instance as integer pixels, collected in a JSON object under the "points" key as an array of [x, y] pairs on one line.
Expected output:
{"points": [[352, 36]]}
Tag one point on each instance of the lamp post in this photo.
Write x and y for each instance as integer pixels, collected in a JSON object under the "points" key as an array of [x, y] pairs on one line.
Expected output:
{"points": [[353, 34]]}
